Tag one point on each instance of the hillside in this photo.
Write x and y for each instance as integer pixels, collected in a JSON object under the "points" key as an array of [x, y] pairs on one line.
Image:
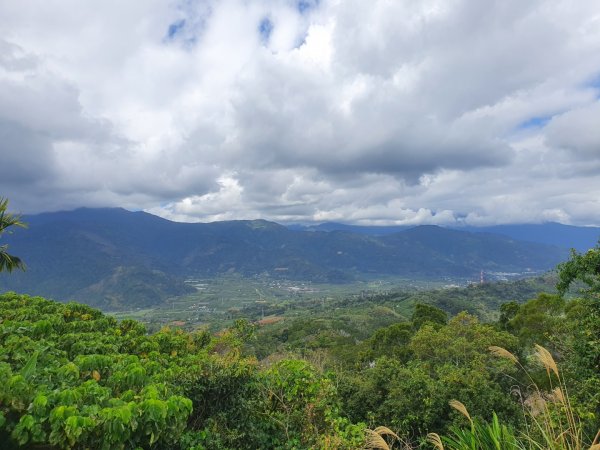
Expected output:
{"points": [[80, 253], [550, 233], [341, 323], [77, 378]]}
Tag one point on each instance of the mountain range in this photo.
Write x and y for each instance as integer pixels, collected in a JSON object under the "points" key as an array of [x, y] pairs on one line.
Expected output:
{"points": [[113, 257], [550, 233]]}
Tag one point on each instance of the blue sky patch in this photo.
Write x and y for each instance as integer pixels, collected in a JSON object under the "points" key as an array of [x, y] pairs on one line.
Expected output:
{"points": [[175, 28], [301, 41], [535, 122], [595, 84], [595, 81], [265, 28], [305, 5]]}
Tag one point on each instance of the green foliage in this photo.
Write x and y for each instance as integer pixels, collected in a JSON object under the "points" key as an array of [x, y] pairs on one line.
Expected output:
{"points": [[65, 395], [550, 420], [581, 267], [390, 341], [507, 312], [8, 262], [297, 398], [410, 394], [580, 351], [484, 300], [579, 341], [335, 332], [78, 379], [463, 342], [424, 313], [538, 320], [481, 436]]}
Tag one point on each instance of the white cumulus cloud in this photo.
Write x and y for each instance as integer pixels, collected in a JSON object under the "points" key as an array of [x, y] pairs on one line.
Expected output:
{"points": [[376, 112]]}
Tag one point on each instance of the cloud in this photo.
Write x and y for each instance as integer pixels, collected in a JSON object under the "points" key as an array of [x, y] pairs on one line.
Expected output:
{"points": [[367, 112], [577, 131]]}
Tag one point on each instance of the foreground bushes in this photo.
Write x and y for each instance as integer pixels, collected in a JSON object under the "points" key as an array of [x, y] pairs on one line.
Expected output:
{"points": [[75, 378]]}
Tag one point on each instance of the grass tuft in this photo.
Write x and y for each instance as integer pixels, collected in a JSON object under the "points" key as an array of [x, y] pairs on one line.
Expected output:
{"points": [[382, 431], [503, 353], [375, 441], [436, 440], [461, 409], [546, 359]]}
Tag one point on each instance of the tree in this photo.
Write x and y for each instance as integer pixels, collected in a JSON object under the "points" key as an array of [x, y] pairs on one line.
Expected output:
{"points": [[582, 355], [8, 262], [507, 312], [584, 267], [425, 313], [539, 320]]}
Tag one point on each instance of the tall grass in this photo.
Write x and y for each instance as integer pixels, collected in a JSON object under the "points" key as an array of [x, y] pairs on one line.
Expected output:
{"points": [[382, 438], [481, 436], [550, 420]]}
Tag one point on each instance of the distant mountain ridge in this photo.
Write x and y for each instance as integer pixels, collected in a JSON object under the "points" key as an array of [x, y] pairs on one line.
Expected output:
{"points": [[550, 233], [102, 252]]}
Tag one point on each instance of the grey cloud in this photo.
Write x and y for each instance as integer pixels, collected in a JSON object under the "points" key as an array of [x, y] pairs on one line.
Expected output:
{"points": [[577, 131], [25, 156], [287, 121], [54, 154], [14, 59], [388, 112]]}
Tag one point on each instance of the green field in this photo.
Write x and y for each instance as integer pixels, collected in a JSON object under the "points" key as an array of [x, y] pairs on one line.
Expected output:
{"points": [[220, 300]]}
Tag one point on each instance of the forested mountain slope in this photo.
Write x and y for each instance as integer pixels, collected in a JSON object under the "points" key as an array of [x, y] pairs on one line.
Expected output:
{"points": [[87, 250], [550, 233]]}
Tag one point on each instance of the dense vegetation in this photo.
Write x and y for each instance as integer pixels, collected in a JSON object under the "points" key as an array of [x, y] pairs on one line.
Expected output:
{"points": [[527, 377], [342, 326], [76, 378]]}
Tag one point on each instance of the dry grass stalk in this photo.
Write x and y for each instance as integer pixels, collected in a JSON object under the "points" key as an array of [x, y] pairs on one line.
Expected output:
{"points": [[382, 431], [546, 359], [375, 441], [558, 396], [461, 409], [543, 414], [536, 404], [436, 440], [596, 443], [503, 353]]}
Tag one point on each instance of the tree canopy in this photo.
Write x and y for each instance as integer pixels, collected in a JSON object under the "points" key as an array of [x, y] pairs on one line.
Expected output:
{"points": [[584, 267], [8, 262]]}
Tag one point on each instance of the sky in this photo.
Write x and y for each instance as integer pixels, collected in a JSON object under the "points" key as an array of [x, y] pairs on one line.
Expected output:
{"points": [[375, 112]]}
